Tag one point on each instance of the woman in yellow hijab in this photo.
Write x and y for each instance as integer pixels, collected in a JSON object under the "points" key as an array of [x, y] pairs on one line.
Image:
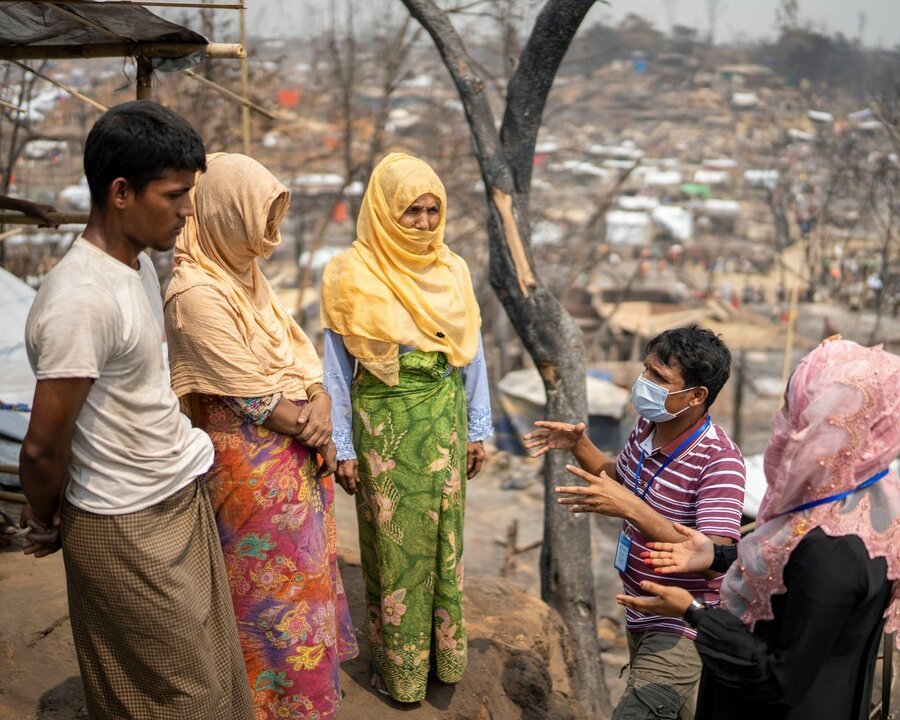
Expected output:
{"points": [[405, 368], [248, 375]]}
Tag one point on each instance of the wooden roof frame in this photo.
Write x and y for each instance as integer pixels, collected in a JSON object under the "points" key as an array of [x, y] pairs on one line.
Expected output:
{"points": [[103, 42], [108, 44]]}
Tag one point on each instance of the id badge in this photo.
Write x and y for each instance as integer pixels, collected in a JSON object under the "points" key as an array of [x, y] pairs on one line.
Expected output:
{"points": [[623, 547]]}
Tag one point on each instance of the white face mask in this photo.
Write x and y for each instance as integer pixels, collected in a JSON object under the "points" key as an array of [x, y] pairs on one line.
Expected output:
{"points": [[649, 400]]}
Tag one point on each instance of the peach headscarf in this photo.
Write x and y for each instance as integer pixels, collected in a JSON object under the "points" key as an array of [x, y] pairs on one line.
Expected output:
{"points": [[397, 286], [228, 333], [842, 427]]}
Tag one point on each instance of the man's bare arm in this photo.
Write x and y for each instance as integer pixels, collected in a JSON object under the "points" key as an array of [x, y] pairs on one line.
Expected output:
{"points": [[47, 447]]}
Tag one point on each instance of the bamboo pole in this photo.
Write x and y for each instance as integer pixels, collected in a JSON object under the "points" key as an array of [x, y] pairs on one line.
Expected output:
{"points": [[12, 497], [789, 339], [58, 218], [144, 77], [9, 469], [226, 51], [219, 51], [61, 86], [245, 86], [15, 108], [214, 6], [230, 95]]}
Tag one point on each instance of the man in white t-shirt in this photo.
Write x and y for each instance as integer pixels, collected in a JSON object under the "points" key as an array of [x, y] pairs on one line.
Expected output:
{"points": [[109, 465]]}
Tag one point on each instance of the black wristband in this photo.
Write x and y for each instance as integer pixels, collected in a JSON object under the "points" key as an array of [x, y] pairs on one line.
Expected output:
{"points": [[692, 614]]}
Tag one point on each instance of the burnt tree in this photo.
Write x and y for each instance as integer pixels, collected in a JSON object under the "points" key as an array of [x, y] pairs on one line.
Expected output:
{"points": [[548, 332]]}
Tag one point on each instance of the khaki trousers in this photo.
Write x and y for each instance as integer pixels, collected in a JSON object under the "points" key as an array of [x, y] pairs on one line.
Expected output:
{"points": [[663, 673]]}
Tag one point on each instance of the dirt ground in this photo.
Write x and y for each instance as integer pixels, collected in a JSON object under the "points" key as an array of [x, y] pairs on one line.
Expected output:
{"points": [[40, 677]]}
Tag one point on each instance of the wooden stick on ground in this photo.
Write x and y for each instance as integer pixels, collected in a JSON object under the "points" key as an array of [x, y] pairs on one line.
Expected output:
{"points": [[509, 559]]}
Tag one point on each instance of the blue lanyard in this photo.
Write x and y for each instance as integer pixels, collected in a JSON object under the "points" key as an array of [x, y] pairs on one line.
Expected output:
{"points": [[640, 466], [839, 496]]}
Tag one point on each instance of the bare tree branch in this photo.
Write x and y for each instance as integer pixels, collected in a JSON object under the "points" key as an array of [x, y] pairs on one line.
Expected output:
{"points": [[549, 334], [530, 84]]}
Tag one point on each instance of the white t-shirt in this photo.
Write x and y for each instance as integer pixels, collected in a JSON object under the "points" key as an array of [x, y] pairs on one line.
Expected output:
{"points": [[95, 317]]}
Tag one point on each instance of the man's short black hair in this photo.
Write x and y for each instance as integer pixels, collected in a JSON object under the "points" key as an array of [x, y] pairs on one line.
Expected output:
{"points": [[703, 357], [139, 141]]}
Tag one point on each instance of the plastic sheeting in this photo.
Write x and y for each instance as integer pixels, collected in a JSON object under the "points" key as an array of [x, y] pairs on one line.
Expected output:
{"points": [[40, 25], [522, 400], [16, 379], [36, 23], [603, 397]]}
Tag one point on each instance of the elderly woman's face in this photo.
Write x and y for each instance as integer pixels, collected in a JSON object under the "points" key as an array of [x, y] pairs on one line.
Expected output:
{"points": [[423, 214]]}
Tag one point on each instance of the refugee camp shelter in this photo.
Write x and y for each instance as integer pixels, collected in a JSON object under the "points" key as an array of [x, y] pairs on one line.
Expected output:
{"points": [[16, 379], [85, 29], [52, 29]]}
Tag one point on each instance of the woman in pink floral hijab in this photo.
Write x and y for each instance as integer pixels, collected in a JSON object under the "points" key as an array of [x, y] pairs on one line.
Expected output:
{"points": [[819, 579]]}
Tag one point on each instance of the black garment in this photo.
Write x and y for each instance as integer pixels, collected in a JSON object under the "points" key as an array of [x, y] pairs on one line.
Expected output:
{"points": [[723, 557], [815, 659]]}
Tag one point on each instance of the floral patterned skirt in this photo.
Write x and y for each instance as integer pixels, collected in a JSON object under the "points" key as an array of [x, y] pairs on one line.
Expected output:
{"points": [[277, 529], [410, 441]]}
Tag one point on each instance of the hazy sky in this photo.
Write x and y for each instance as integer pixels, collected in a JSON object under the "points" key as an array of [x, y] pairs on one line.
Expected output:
{"points": [[737, 19], [756, 18]]}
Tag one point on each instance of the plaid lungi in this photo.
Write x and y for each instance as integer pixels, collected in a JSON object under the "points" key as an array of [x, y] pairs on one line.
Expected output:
{"points": [[151, 612]]}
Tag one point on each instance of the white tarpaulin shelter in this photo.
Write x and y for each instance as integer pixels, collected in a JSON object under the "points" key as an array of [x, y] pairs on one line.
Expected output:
{"points": [[624, 227], [16, 379], [761, 178], [712, 177], [720, 208], [603, 397], [662, 178], [676, 220], [755, 487], [522, 398], [637, 202]]}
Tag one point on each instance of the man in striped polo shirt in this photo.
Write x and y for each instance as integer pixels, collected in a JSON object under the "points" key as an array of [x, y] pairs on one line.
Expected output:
{"points": [[677, 466]]}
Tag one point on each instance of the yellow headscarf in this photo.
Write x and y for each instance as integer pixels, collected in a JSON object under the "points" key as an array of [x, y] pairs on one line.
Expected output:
{"points": [[228, 333], [398, 286]]}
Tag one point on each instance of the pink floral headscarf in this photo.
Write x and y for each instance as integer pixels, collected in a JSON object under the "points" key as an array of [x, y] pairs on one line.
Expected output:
{"points": [[841, 426]]}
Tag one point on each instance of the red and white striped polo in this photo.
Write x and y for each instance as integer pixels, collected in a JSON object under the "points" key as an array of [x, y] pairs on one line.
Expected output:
{"points": [[702, 488]]}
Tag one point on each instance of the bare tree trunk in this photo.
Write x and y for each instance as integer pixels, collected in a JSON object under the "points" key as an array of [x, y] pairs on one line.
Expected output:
{"points": [[547, 331]]}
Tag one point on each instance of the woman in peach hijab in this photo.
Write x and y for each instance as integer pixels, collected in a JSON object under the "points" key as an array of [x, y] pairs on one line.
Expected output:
{"points": [[249, 376]]}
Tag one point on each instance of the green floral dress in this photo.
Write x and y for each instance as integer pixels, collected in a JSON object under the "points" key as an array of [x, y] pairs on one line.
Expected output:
{"points": [[410, 441]]}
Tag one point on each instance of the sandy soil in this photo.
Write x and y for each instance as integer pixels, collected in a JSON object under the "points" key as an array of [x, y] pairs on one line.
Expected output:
{"points": [[41, 680]]}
